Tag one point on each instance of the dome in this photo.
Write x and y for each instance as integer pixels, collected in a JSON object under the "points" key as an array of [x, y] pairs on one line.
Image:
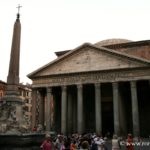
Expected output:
{"points": [[111, 42]]}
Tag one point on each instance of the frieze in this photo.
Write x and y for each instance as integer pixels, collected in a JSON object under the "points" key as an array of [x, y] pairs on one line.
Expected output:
{"points": [[92, 78]]}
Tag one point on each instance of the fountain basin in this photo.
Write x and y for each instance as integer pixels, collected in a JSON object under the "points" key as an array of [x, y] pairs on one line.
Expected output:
{"points": [[25, 141]]}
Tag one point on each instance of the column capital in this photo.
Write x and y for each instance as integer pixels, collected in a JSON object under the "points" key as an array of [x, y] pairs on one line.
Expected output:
{"points": [[115, 84], [40, 89], [97, 85], [133, 84], [49, 89], [79, 86], [34, 90], [64, 87]]}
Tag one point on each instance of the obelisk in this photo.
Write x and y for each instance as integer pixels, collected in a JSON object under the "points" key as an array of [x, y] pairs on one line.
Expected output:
{"points": [[12, 114], [13, 74]]}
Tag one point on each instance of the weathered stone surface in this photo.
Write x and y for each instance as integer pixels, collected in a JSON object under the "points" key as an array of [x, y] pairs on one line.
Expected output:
{"points": [[12, 119], [89, 59], [93, 77]]}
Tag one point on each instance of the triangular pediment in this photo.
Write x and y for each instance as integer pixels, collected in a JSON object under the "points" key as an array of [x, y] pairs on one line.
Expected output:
{"points": [[88, 58]]}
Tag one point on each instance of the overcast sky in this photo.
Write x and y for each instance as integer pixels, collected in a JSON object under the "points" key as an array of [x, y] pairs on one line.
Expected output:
{"points": [[55, 25]]}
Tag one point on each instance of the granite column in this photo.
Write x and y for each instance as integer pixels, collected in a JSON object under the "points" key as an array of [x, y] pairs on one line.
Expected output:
{"points": [[135, 110], [64, 110], [98, 111], [48, 124], [80, 109], [34, 101], [116, 108], [41, 107]]}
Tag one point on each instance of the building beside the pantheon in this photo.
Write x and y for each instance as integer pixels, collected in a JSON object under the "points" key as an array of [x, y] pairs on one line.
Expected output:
{"points": [[24, 93], [3, 86], [102, 87]]}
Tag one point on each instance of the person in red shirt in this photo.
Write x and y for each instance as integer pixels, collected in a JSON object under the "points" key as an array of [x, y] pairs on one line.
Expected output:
{"points": [[34, 129], [47, 143], [73, 145], [130, 142]]}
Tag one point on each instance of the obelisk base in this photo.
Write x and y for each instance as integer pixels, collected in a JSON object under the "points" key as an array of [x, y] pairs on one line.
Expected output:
{"points": [[12, 115]]}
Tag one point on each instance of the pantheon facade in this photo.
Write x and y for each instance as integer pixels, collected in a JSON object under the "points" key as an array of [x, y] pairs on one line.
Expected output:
{"points": [[102, 87]]}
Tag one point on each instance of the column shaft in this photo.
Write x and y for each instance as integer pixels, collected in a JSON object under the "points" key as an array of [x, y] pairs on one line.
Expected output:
{"points": [[135, 111], [80, 109], [74, 111], [49, 93], [34, 98], [41, 108], [98, 111], [116, 108], [64, 110], [70, 113]]}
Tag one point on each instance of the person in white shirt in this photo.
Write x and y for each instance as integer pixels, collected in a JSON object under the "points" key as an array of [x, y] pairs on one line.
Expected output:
{"points": [[100, 143], [115, 143]]}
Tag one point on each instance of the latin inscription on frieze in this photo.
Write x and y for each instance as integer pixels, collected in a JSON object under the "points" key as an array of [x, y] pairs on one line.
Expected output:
{"points": [[86, 78], [92, 78]]}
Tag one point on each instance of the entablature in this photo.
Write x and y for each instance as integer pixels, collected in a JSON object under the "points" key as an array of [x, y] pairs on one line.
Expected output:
{"points": [[93, 77]]}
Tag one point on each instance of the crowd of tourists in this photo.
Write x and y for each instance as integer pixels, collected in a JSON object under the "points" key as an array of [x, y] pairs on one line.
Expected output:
{"points": [[83, 142]]}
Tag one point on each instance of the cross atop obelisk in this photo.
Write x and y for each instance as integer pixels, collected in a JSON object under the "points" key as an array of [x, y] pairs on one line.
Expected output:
{"points": [[18, 7]]}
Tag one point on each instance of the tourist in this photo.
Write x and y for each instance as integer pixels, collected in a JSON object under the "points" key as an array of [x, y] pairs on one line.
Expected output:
{"points": [[130, 142], [84, 145], [93, 144], [73, 145], [100, 143], [47, 144], [39, 128], [59, 143], [115, 143], [34, 129], [67, 142]]}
